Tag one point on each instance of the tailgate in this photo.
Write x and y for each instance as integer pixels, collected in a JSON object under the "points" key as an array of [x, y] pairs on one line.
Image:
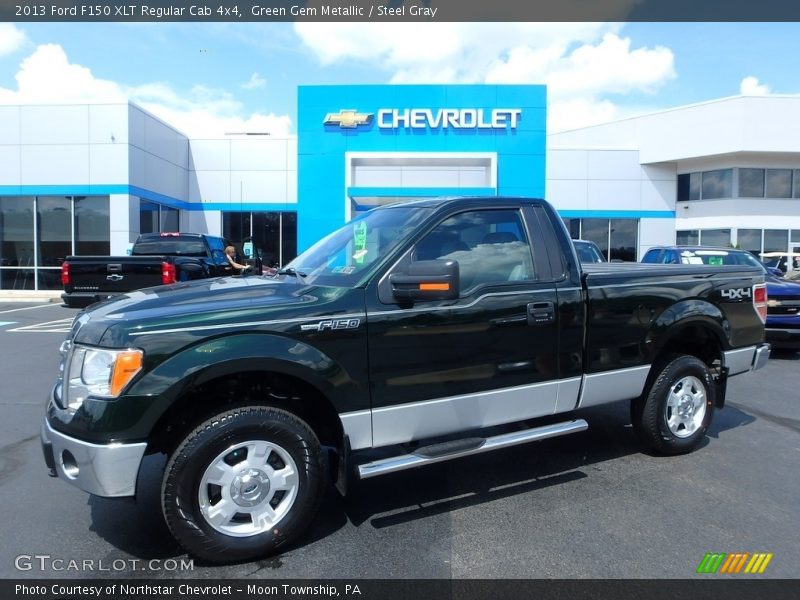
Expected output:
{"points": [[114, 274]]}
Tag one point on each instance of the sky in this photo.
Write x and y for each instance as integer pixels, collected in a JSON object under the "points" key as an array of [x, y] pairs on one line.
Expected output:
{"points": [[208, 79]]}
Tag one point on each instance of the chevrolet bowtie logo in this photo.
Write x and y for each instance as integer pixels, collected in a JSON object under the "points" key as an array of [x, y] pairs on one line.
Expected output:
{"points": [[348, 118]]}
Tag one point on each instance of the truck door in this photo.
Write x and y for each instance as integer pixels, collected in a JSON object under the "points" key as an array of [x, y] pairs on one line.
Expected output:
{"points": [[484, 358]]}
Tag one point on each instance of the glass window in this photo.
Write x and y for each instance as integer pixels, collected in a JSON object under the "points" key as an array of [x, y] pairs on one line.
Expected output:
{"points": [[573, 227], [717, 184], [288, 236], [54, 225], [776, 240], [596, 230], [266, 235], [683, 187], [689, 186], [490, 246], [779, 183], [751, 183], [797, 183], [688, 237], [624, 239], [694, 186], [18, 279], [148, 217], [236, 226], [170, 219], [750, 240], [716, 237], [49, 279], [16, 233], [92, 226], [342, 258]]}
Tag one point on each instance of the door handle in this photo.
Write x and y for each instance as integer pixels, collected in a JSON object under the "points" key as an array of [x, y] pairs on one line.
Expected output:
{"points": [[541, 313]]}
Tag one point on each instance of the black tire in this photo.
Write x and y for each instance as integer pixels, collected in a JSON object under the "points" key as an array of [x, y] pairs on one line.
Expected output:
{"points": [[181, 485], [662, 426]]}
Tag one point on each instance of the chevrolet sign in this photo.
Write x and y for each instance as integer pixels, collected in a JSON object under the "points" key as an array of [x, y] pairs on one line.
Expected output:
{"points": [[457, 118]]}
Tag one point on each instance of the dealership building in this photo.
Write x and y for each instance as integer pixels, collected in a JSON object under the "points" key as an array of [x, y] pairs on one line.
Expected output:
{"points": [[89, 178]]}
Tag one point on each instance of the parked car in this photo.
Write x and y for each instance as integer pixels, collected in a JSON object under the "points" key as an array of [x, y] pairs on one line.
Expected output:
{"points": [[418, 333], [781, 260], [783, 308], [155, 259], [588, 252]]}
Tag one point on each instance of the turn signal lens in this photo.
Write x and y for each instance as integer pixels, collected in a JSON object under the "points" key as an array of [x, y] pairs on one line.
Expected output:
{"points": [[441, 287], [127, 365]]}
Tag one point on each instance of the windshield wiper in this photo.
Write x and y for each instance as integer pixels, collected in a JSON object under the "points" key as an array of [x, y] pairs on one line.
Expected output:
{"points": [[290, 271]]}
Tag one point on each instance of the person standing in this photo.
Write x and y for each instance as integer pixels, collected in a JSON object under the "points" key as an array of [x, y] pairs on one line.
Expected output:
{"points": [[230, 254]]}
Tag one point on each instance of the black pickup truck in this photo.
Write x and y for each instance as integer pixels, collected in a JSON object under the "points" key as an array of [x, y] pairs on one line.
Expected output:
{"points": [[415, 334], [155, 259]]}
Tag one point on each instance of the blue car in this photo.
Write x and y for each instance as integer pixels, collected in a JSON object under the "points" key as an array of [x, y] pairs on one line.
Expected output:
{"points": [[783, 305]]}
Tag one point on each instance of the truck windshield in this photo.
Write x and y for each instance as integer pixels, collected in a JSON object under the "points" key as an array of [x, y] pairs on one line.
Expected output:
{"points": [[342, 258], [171, 246]]}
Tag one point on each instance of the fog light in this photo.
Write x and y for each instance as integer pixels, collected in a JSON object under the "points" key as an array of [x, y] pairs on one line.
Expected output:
{"points": [[69, 464]]}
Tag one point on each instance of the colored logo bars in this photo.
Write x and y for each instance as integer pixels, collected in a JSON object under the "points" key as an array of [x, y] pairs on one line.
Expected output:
{"points": [[737, 562], [348, 118]]}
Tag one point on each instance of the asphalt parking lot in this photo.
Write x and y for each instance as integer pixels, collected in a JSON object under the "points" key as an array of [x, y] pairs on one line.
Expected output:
{"points": [[590, 505]]}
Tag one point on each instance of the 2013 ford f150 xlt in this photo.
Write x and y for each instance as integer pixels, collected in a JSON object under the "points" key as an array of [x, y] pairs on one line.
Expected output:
{"points": [[412, 330]]}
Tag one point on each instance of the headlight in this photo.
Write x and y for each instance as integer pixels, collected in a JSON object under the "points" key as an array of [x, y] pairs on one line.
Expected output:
{"points": [[99, 373]]}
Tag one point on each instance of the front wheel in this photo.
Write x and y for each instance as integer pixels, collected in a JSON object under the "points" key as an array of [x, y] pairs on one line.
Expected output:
{"points": [[674, 413], [243, 484]]}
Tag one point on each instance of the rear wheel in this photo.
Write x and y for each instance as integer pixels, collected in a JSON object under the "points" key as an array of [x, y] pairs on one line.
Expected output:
{"points": [[674, 413], [243, 484]]}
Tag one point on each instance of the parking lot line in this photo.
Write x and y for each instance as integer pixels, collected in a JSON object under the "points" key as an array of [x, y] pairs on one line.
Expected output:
{"points": [[4, 323], [59, 326], [2, 312]]}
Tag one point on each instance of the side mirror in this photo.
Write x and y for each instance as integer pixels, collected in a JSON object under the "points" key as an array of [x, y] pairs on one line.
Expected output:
{"points": [[427, 280]]}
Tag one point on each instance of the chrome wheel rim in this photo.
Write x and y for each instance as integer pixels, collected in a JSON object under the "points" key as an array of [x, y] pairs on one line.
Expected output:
{"points": [[686, 406], [248, 488]]}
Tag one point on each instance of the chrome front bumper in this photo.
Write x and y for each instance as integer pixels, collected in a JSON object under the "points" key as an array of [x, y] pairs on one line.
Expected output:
{"points": [[108, 470]]}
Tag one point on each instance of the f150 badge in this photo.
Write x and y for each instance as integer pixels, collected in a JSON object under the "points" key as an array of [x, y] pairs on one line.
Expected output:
{"points": [[736, 293], [332, 324]]}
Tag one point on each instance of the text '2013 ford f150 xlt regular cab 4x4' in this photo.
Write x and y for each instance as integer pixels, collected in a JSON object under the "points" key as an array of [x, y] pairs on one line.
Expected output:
{"points": [[423, 324]]}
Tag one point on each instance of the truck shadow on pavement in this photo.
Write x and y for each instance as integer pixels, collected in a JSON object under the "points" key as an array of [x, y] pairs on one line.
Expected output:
{"points": [[139, 529], [416, 494]]}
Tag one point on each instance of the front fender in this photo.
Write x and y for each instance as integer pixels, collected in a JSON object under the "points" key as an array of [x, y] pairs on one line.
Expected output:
{"points": [[244, 352]]}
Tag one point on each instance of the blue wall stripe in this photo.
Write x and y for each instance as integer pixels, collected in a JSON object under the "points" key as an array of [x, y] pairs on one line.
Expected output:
{"points": [[409, 192], [243, 206], [618, 214], [100, 189], [63, 190]]}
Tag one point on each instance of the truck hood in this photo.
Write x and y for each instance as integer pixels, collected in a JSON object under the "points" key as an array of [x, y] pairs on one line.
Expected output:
{"points": [[782, 288], [206, 302]]}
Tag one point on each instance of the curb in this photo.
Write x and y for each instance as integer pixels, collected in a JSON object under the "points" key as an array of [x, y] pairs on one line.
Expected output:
{"points": [[30, 296]]}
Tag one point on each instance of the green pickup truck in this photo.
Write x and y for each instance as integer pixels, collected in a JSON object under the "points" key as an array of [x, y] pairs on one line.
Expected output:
{"points": [[418, 333]]}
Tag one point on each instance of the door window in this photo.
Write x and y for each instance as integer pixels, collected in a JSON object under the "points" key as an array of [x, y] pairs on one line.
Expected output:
{"points": [[490, 246]]}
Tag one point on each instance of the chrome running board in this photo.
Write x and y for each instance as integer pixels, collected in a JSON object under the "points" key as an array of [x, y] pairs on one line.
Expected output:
{"points": [[428, 455]]}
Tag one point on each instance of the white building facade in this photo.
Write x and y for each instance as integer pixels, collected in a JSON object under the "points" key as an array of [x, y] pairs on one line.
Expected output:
{"points": [[729, 169], [89, 178]]}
